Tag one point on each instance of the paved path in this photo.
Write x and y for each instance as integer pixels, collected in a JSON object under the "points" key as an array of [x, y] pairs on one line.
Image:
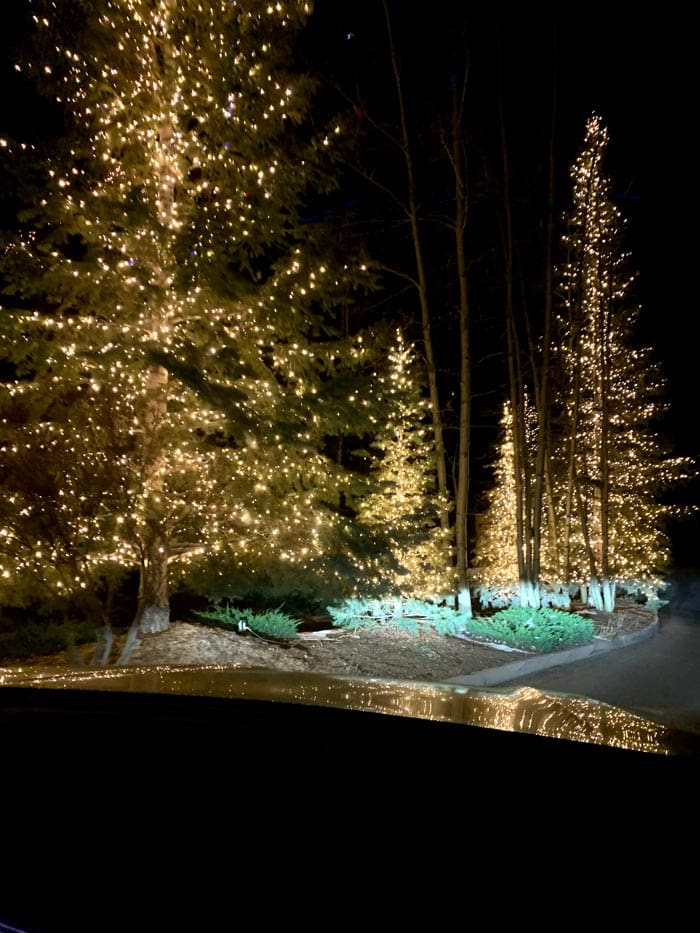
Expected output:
{"points": [[659, 676]]}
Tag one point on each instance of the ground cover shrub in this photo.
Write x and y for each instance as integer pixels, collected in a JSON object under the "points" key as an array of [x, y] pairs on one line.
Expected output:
{"points": [[407, 614], [533, 629], [36, 638], [272, 623]]}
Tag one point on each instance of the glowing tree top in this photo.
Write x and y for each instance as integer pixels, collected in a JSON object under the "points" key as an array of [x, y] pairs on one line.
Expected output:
{"points": [[613, 459], [607, 461]]}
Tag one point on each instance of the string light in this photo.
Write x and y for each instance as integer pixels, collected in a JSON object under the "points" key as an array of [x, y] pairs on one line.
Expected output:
{"points": [[405, 505], [608, 461], [175, 299], [614, 393]]}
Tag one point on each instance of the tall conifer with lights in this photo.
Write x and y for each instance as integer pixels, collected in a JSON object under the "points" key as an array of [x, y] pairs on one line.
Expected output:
{"points": [[405, 506], [163, 276], [496, 559], [612, 460], [608, 459]]}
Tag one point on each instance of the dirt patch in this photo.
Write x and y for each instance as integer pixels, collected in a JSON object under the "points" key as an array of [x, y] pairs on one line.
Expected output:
{"points": [[384, 652], [379, 653]]}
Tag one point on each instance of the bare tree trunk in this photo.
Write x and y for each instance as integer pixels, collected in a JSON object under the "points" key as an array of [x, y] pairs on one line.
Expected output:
{"points": [[105, 635], [529, 594], [131, 643], [75, 658], [154, 608], [530, 496], [422, 288], [462, 498], [542, 400], [103, 645], [607, 583]]}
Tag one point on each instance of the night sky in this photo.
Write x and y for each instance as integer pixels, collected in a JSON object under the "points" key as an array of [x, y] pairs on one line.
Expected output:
{"points": [[631, 67]]}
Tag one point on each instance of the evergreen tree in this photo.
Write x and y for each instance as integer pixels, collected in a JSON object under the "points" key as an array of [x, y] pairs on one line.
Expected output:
{"points": [[612, 459], [609, 461], [163, 276], [61, 498], [405, 505], [496, 558]]}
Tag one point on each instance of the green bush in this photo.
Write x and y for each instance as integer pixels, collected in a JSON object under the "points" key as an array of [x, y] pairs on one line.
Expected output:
{"points": [[533, 629], [37, 638], [272, 622], [407, 614]]}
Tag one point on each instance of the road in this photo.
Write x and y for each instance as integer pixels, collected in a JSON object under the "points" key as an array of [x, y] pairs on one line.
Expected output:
{"points": [[659, 677]]}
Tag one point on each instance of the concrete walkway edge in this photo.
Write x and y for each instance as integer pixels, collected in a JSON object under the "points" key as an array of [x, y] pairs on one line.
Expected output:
{"points": [[541, 662]]}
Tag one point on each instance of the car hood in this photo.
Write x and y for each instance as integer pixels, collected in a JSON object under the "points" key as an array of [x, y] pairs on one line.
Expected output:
{"points": [[521, 709]]}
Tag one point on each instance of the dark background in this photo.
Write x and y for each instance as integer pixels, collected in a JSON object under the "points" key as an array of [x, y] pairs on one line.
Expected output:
{"points": [[633, 68]]}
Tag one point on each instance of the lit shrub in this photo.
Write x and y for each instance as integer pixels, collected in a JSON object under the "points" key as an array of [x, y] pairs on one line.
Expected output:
{"points": [[272, 623], [409, 615], [644, 591], [533, 629], [502, 595]]}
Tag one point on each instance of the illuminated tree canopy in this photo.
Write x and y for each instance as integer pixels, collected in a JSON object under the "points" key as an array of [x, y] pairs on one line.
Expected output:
{"points": [[608, 459], [614, 461], [190, 393], [171, 326], [405, 503]]}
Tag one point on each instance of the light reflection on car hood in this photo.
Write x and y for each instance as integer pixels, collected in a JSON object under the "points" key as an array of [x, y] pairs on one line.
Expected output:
{"points": [[521, 709]]}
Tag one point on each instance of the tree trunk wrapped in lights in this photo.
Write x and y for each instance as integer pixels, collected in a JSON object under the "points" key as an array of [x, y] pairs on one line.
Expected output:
{"points": [[606, 461], [612, 460], [498, 568], [162, 271]]}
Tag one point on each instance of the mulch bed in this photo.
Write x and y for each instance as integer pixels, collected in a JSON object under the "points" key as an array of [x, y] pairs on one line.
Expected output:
{"points": [[385, 652]]}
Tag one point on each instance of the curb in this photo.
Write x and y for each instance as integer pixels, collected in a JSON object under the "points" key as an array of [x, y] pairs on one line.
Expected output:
{"points": [[541, 662]]}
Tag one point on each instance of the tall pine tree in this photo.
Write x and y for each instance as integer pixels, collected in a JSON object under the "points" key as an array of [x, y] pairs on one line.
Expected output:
{"points": [[405, 504], [608, 458], [612, 459], [168, 327]]}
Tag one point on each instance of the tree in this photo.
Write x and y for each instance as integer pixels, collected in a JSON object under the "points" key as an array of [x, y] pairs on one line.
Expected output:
{"points": [[606, 460], [418, 165], [456, 152], [497, 539], [497, 543], [164, 272], [613, 461], [405, 505], [410, 208]]}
